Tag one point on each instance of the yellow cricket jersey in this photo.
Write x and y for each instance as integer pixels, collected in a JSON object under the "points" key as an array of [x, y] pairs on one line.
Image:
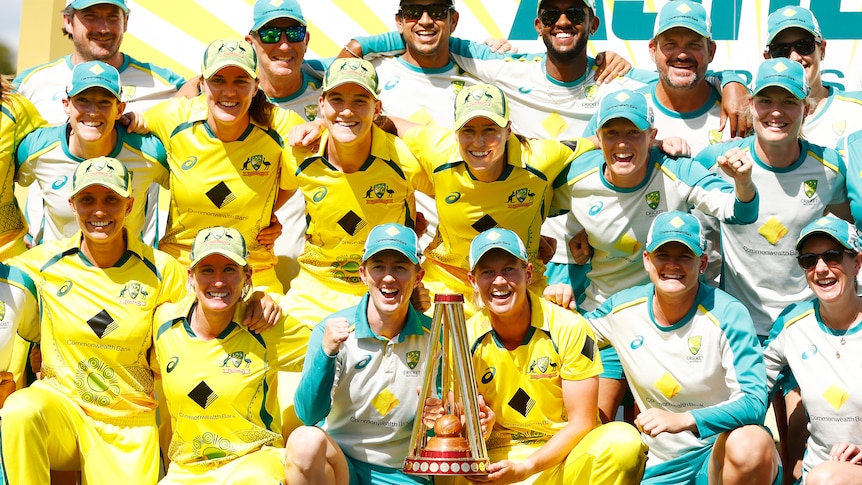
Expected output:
{"points": [[221, 392], [519, 200], [232, 184], [343, 207], [18, 117], [524, 386], [96, 323]]}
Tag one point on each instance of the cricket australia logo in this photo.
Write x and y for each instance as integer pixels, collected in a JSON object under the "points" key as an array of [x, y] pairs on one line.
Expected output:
{"points": [[591, 92], [133, 293], [810, 188], [413, 358], [694, 344], [653, 199], [542, 368], [379, 194], [520, 198], [236, 363], [311, 111], [2, 310], [256, 165]]}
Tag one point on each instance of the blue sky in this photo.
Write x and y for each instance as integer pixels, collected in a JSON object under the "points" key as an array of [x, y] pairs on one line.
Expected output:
{"points": [[10, 23]]}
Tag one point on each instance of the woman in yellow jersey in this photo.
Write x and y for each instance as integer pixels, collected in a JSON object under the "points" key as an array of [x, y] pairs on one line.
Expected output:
{"points": [[94, 409], [18, 117], [484, 176], [224, 152], [355, 178], [218, 377]]}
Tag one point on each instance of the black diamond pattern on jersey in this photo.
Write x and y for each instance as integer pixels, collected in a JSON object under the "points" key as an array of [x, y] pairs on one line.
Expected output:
{"points": [[220, 195], [102, 324], [203, 395], [522, 402], [351, 223], [485, 223], [589, 350]]}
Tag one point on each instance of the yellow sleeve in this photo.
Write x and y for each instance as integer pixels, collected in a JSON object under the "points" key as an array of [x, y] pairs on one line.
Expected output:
{"points": [[27, 117]]}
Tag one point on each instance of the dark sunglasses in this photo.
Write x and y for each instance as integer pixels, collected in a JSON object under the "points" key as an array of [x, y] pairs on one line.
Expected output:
{"points": [[412, 13], [803, 47], [271, 35], [832, 257], [575, 15]]}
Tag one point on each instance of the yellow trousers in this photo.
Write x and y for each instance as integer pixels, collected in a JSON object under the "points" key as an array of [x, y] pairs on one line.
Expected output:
{"points": [[611, 454], [44, 430], [264, 466]]}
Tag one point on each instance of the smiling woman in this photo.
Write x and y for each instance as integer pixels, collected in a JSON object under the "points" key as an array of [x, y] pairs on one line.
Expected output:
{"points": [[225, 152]]}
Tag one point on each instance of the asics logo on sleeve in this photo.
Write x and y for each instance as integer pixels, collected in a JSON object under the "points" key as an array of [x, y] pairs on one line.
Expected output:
{"points": [[189, 163], [172, 364], [363, 363], [596, 208], [60, 182], [453, 197], [489, 374], [809, 352], [319, 195], [637, 343], [67, 285]]}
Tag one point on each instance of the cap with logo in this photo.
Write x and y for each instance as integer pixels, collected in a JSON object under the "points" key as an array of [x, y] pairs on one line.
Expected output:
{"points": [[481, 100], [94, 74], [225, 241], [105, 171], [496, 238], [683, 13], [268, 10], [789, 17], [843, 232], [783, 73], [676, 226], [395, 237], [223, 53], [626, 104], [349, 70], [82, 4]]}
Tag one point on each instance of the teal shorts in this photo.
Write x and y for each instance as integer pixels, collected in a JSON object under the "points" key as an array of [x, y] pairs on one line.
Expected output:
{"points": [[363, 473], [574, 275], [691, 468]]}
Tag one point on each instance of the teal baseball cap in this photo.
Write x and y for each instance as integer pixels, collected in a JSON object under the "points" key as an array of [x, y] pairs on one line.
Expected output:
{"points": [[82, 4], [481, 100], [783, 73], [225, 241], [496, 238], [626, 104], [105, 171], [94, 74], [395, 237], [588, 3], [267, 10], [683, 13], [676, 226], [843, 232], [792, 16]]}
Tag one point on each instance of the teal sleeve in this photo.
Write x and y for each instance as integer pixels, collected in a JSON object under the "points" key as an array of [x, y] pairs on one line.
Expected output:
{"points": [[750, 406], [386, 44], [695, 175], [313, 399]]}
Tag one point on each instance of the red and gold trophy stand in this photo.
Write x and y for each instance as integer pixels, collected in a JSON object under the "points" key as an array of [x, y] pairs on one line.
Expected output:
{"points": [[452, 450]]}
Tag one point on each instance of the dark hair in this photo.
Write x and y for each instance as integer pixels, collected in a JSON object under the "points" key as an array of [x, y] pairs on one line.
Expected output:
{"points": [[261, 108]]}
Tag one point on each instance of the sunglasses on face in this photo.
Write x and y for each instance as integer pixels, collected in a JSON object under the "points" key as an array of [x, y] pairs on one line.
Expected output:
{"points": [[412, 13], [832, 257], [803, 47], [575, 15], [272, 35]]}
